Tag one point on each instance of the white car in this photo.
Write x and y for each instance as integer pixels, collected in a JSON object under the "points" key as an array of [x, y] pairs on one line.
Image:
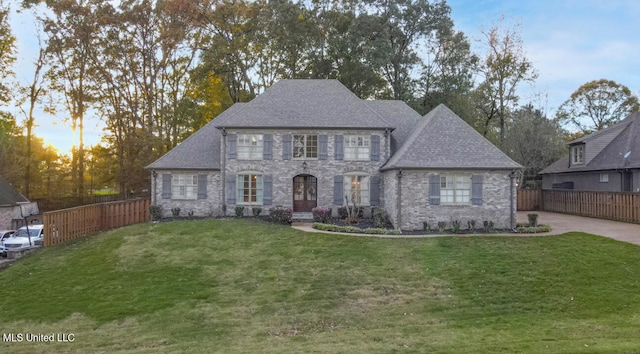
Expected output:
{"points": [[4, 234], [20, 239]]}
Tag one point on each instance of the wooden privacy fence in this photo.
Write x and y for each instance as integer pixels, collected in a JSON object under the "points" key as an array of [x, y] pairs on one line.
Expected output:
{"points": [[605, 205], [529, 199], [68, 224]]}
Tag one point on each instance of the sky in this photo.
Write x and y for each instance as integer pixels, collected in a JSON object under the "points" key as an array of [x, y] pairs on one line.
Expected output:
{"points": [[569, 42]]}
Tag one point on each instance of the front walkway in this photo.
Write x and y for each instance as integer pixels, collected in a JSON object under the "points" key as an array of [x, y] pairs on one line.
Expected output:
{"points": [[560, 224]]}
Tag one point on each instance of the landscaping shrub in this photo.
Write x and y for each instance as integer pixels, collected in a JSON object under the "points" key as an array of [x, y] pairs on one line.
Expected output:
{"points": [[353, 229], [281, 215], [156, 212], [533, 219], [321, 214], [343, 213], [381, 218], [488, 226], [175, 212], [256, 211], [442, 225], [239, 211], [528, 229], [471, 224], [455, 226]]}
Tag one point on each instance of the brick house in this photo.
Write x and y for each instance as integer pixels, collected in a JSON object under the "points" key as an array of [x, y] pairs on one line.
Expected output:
{"points": [[308, 143], [605, 161]]}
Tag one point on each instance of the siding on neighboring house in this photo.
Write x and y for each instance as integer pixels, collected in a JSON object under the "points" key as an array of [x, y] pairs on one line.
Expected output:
{"points": [[585, 181]]}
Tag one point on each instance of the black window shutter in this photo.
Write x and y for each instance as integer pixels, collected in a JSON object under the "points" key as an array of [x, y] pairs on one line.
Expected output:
{"points": [[434, 189], [338, 190], [375, 190], [267, 147], [339, 147], [231, 146], [202, 186], [231, 189], [267, 190], [375, 147], [323, 146], [476, 189], [286, 147], [166, 186]]}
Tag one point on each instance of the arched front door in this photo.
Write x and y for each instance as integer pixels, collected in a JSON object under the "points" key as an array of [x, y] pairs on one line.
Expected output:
{"points": [[305, 193]]}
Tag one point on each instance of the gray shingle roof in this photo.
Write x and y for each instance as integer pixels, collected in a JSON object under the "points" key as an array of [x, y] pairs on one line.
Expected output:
{"points": [[200, 151], [441, 139], [607, 148], [402, 117], [9, 196], [307, 104]]}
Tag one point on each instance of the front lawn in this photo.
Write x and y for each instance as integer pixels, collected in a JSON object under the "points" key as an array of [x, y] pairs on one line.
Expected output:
{"points": [[246, 286]]}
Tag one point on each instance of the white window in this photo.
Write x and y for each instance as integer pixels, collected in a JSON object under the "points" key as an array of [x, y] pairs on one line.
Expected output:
{"points": [[305, 146], [604, 177], [249, 147], [577, 154], [356, 147], [249, 187], [356, 188], [455, 189], [184, 186]]}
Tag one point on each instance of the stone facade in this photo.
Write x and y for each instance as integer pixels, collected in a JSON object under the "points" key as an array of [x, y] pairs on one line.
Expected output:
{"points": [[416, 209], [211, 206], [283, 171]]}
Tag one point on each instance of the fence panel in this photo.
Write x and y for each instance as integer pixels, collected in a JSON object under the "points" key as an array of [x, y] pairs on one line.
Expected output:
{"points": [[68, 224], [529, 199], [605, 205]]}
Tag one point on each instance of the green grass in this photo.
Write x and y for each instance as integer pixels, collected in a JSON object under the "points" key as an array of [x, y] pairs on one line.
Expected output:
{"points": [[247, 287]]}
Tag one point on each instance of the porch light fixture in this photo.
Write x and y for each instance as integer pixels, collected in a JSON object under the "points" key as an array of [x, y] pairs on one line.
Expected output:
{"points": [[304, 165]]}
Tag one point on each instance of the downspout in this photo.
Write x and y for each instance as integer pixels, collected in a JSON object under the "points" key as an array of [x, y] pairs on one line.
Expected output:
{"points": [[223, 175], [154, 176], [512, 177], [399, 200]]}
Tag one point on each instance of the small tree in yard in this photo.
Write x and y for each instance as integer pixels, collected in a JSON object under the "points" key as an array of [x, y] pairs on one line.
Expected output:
{"points": [[353, 210]]}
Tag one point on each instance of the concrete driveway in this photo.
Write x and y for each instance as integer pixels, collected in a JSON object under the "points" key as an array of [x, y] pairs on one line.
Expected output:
{"points": [[561, 223]]}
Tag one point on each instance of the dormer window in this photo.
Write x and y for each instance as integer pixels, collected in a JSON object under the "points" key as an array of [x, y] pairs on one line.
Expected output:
{"points": [[577, 155]]}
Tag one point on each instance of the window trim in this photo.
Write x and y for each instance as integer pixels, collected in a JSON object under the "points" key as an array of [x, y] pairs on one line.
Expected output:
{"points": [[455, 189], [361, 153], [258, 190], [306, 147], [361, 192], [604, 177], [577, 154], [184, 187], [249, 151]]}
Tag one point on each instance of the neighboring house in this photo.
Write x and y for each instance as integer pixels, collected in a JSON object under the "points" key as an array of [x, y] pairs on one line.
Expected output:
{"points": [[308, 143], [607, 160], [10, 202]]}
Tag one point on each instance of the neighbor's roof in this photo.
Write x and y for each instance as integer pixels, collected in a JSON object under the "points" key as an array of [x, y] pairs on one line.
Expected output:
{"points": [[9, 196], [307, 104], [200, 151], [402, 117], [606, 149], [443, 140]]}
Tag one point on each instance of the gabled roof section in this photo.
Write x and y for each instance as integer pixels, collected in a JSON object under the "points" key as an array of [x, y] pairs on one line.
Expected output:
{"points": [[307, 104], [402, 117], [200, 151], [616, 147], [443, 140], [9, 196]]}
